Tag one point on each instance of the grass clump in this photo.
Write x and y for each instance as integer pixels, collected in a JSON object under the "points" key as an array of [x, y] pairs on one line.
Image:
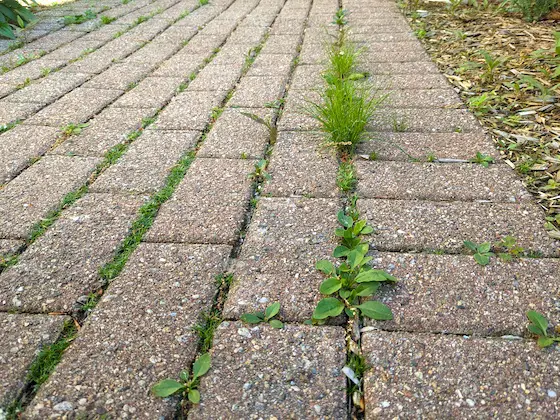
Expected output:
{"points": [[348, 102]]}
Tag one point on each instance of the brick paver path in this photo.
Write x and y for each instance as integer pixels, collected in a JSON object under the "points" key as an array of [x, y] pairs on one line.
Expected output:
{"points": [[165, 84]]}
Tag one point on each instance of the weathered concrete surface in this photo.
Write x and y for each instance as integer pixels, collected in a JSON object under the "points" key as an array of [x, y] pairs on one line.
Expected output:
{"points": [[208, 206], [303, 379], [62, 265], [22, 337], [161, 293], [438, 376]]}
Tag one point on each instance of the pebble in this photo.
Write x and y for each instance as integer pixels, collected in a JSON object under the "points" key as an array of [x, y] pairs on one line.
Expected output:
{"points": [[551, 393], [244, 332], [64, 406], [470, 402]]}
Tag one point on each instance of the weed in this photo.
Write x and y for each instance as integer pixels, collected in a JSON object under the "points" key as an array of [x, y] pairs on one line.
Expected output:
{"points": [[140, 19], [539, 326], [81, 18], [267, 316], [45, 71], [147, 213], [267, 122], [49, 356], [105, 20], [340, 17], [491, 65], [8, 126], [343, 60], [373, 156], [533, 10], [260, 174], [431, 157], [203, 2], [482, 159], [25, 83], [244, 155], [346, 176], [352, 279], [73, 129], [482, 252], [205, 330], [480, 104], [344, 112], [189, 382], [506, 249]]}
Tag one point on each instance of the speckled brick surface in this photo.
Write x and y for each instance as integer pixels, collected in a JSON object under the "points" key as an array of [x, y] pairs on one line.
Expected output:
{"points": [[22, 337], [439, 376], [111, 367], [302, 379]]}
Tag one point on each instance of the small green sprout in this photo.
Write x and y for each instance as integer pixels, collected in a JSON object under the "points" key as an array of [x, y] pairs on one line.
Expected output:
{"points": [[539, 326], [188, 384], [267, 316]]}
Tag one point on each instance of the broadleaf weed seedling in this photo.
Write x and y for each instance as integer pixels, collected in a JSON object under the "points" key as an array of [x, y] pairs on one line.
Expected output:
{"points": [[73, 129], [506, 249], [352, 279], [539, 326], [188, 384], [346, 176], [260, 174], [267, 316], [482, 159]]}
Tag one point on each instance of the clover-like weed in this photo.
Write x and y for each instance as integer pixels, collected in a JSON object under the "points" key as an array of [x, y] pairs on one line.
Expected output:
{"points": [[267, 316], [188, 384], [482, 252], [506, 249], [353, 279], [260, 174], [539, 326]]}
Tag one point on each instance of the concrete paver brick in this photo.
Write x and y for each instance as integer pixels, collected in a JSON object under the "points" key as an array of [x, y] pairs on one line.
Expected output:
{"points": [[63, 264], [162, 291], [307, 358]]}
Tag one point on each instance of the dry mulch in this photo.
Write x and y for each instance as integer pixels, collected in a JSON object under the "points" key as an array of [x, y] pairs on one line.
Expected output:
{"points": [[508, 73]]}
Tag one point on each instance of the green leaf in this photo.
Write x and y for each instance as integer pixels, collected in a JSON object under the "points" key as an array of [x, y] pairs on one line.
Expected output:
{"points": [[339, 232], [539, 321], [354, 258], [251, 318], [271, 311], [482, 259], [504, 256], [184, 375], [534, 329], [366, 289], [344, 220], [366, 230], [274, 323], [372, 275], [471, 245], [194, 396], [328, 307], [360, 224], [344, 293], [349, 312], [330, 285], [484, 247], [167, 387], [340, 251], [543, 342], [201, 366], [362, 248], [325, 266], [375, 310]]}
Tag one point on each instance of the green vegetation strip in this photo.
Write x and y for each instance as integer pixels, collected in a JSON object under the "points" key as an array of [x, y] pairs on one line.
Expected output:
{"points": [[41, 368], [346, 106]]}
